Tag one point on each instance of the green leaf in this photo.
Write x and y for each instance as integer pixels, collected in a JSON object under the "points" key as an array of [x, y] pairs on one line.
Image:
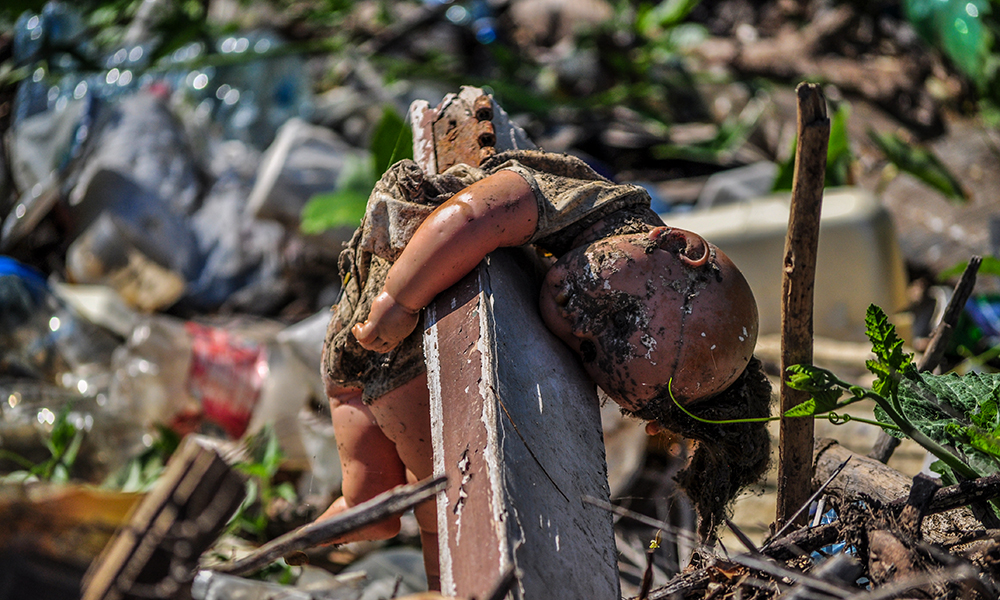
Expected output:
{"points": [[888, 349], [955, 411], [392, 141], [989, 266], [957, 28], [343, 207], [983, 442], [286, 491], [947, 476], [806, 409], [821, 383], [922, 163], [664, 15]]}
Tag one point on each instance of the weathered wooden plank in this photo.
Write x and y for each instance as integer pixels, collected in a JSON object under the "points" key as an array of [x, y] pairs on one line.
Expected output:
{"points": [[155, 554], [515, 421], [516, 427]]}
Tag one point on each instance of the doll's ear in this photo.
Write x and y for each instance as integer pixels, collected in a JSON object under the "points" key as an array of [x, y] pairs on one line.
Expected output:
{"points": [[692, 249]]}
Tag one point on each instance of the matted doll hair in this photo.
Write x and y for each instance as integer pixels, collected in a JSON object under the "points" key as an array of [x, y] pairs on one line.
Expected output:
{"points": [[726, 458]]}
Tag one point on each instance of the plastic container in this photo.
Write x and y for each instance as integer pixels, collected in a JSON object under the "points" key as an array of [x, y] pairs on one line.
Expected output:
{"points": [[28, 412], [104, 255]]}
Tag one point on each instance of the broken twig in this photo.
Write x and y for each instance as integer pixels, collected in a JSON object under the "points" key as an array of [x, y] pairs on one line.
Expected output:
{"points": [[742, 537], [669, 531], [805, 505], [378, 508]]}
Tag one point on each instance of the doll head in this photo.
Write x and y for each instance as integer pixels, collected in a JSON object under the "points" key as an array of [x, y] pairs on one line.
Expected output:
{"points": [[665, 307], [642, 309]]}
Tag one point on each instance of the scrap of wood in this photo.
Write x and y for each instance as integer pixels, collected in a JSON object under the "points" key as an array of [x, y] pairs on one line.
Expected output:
{"points": [[960, 494], [866, 477], [66, 523], [917, 502], [156, 553], [515, 420], [798, 278], [383, 506]]}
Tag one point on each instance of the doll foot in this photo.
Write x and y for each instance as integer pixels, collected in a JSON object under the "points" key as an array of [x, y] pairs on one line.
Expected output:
{"points": [[382, 530]]}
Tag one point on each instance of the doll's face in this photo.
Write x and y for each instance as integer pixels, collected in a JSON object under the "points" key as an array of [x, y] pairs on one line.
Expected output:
{"points": [[643, 308]]}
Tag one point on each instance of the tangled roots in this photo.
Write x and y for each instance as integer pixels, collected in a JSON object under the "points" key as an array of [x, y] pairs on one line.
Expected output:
{"points": [[726, 458]]}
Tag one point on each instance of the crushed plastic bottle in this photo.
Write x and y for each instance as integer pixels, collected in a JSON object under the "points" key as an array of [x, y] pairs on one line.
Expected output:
{"points": [[43, 338], [250, 98], [28, 413], [189, 376], [103, 255]]}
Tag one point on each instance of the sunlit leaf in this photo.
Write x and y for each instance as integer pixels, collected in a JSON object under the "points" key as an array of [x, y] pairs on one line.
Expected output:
{"points": [[888, 348], [343, 207], [922, 163], [392, 141], [989, 266], [664, 15], [806, 409]]}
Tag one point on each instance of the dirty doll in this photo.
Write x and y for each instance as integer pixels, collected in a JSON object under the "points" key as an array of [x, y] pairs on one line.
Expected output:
{"points": [[650, 310]]}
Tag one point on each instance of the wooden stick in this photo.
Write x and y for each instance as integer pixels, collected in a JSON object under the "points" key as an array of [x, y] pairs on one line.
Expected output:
{"points": [[886, 444], [960, 494], [798, 277], [378, 508]]}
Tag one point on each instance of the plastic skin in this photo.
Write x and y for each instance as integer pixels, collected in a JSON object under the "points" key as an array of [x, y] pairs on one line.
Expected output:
{"points": [[690, 316], [640, 310], [647, 309], [495, 212]]}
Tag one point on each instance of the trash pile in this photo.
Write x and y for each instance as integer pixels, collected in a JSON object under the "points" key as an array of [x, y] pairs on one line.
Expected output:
{"points": [[157, 279], [156, 284]]}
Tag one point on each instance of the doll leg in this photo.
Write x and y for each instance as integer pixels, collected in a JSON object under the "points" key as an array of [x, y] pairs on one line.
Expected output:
{"points": [[404, 417], [368, 460]]}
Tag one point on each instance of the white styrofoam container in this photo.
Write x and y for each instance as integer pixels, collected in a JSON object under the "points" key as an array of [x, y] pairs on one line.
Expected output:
{"points": [[858, 263]]}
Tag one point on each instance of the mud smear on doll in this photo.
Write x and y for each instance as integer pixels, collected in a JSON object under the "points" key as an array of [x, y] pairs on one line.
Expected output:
{"points": [[613, 327], [610, 329]]}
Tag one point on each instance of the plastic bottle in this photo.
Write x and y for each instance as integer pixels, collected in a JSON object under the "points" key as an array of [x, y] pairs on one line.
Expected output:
{"points": [[190, 376], [43, 338], [209, 585]]}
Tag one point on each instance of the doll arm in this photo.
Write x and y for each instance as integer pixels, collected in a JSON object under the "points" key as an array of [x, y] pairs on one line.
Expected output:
{"points": [[495, 212]]}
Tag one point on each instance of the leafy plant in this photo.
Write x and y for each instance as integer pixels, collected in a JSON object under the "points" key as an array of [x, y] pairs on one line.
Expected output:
{"points": [[730, 136], [957, 419], [141, 472], [63, 444], [391, 141], [989, 266], [958, 28], [251, 518]]}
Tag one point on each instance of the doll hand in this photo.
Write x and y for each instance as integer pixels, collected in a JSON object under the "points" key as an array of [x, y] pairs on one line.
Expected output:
{"points": [[387, 325]]}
